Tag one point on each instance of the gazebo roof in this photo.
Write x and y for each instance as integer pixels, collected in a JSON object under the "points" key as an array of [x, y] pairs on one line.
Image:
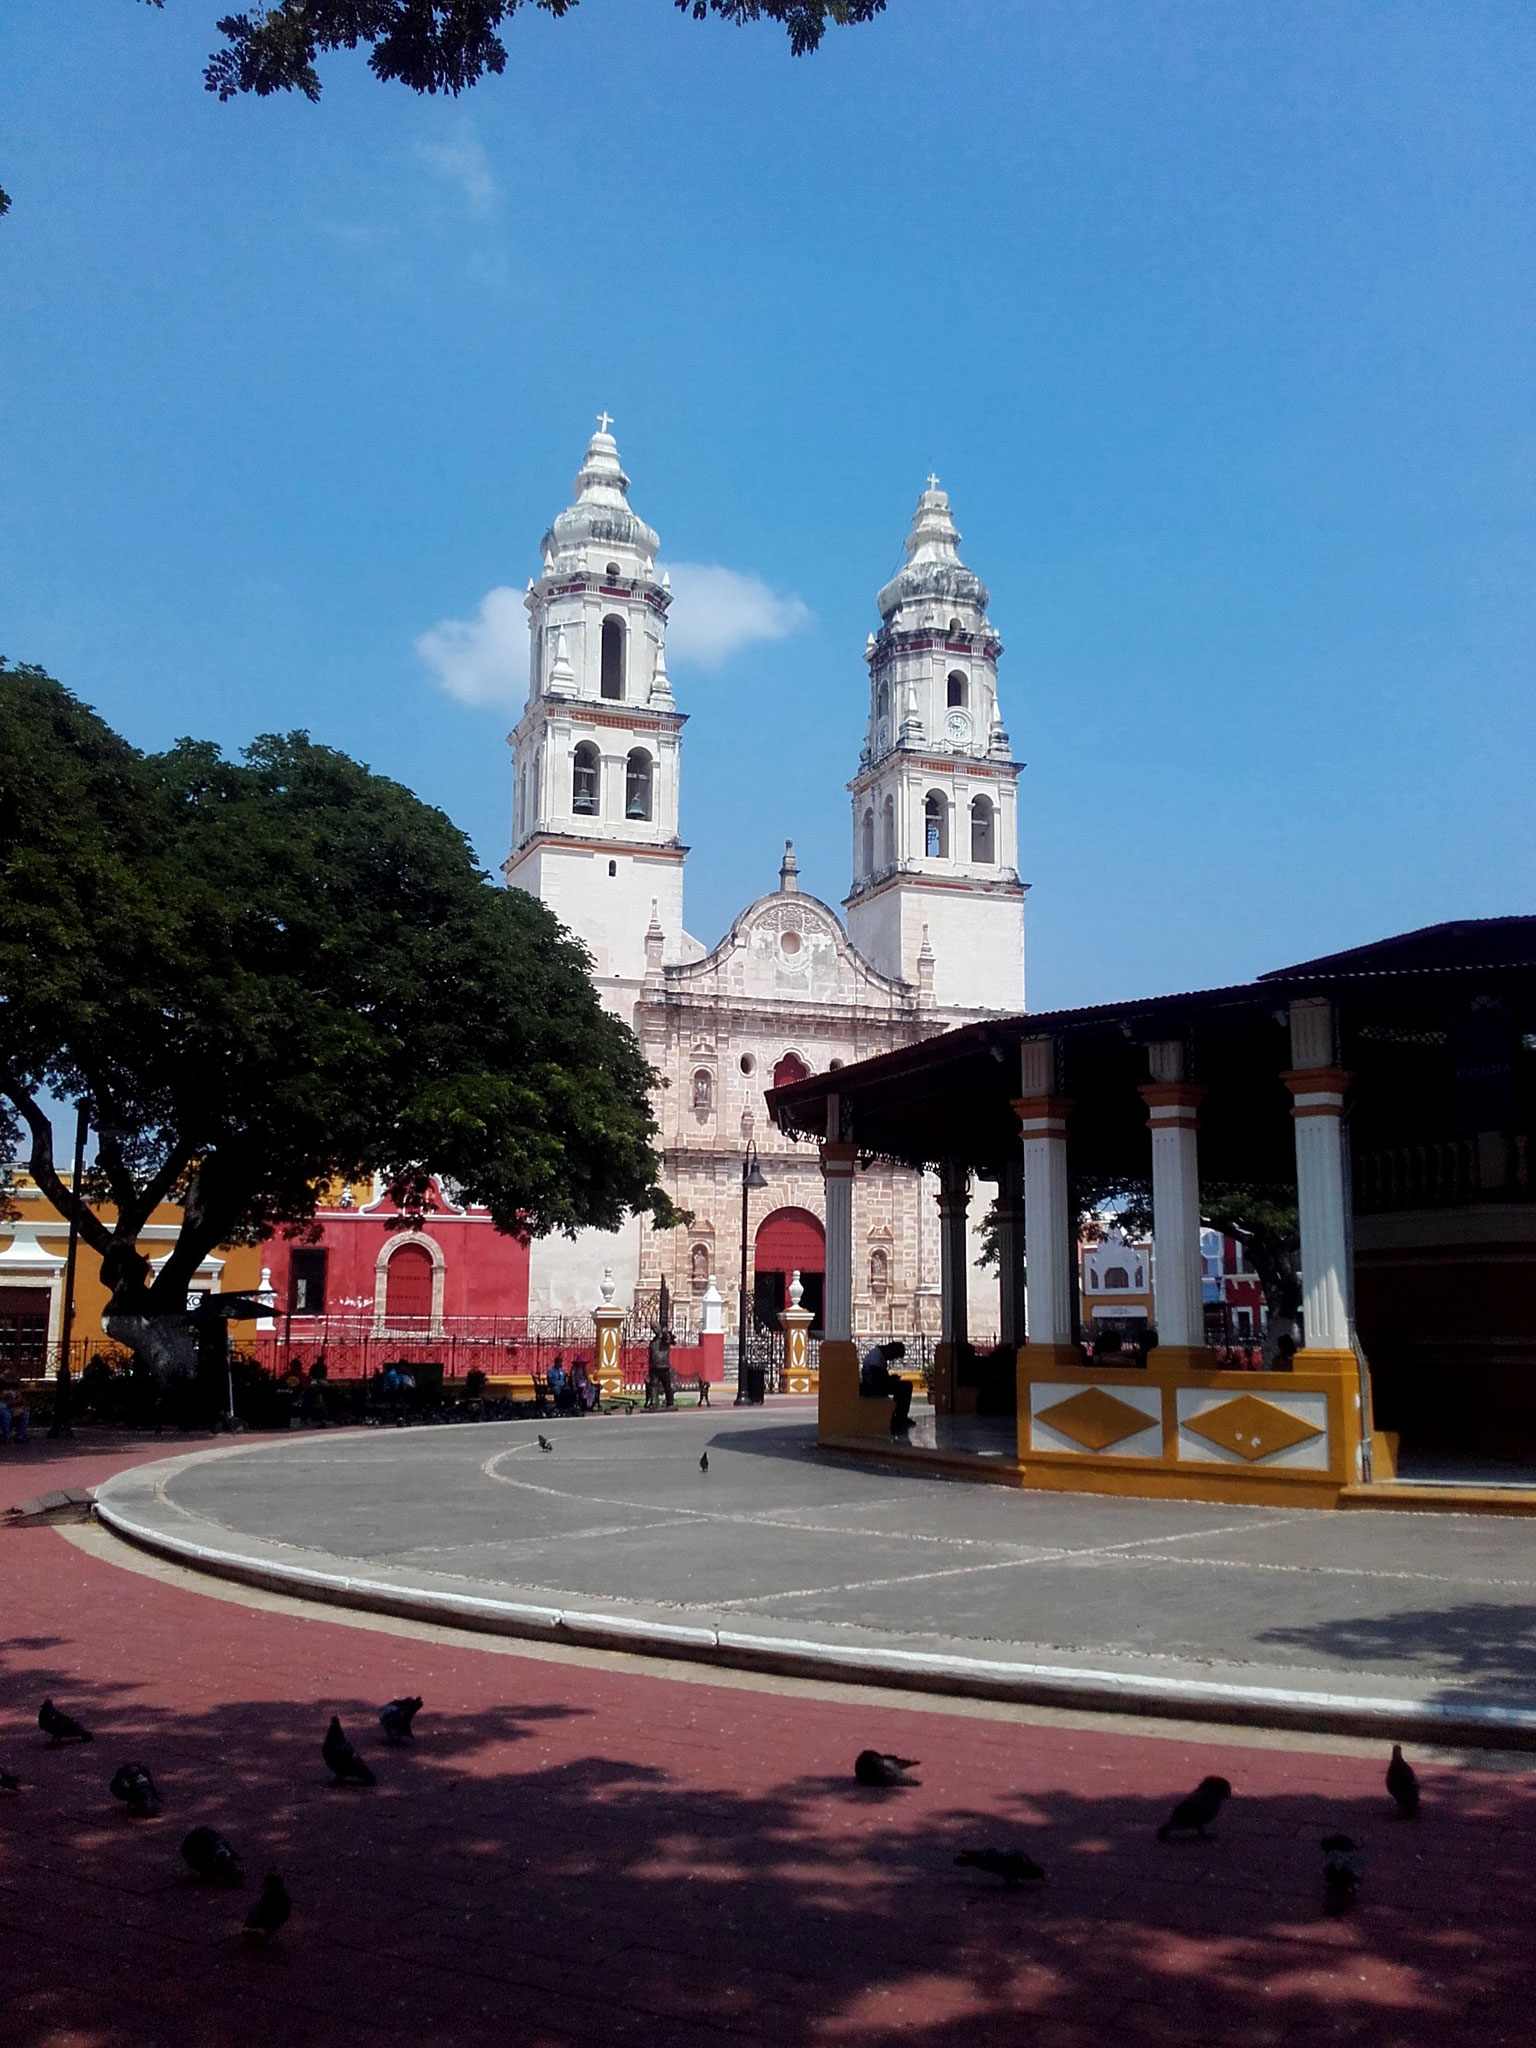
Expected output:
{"points": [[1400, 1001]]}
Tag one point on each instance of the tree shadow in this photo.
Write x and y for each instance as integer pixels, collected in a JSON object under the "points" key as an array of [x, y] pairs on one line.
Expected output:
{"points": [[1483, 1651], [502, 1884]]}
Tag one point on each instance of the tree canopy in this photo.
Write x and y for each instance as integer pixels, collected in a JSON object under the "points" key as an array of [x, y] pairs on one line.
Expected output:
{"points": [[443, 45], [264, 974]]}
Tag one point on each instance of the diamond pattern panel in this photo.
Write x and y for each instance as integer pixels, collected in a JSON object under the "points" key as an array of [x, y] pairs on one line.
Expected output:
{"points": [[1252, 1428], [1095, 1419]]}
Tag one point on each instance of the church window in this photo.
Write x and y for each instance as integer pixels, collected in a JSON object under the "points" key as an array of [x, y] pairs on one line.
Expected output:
{"points": [[935, 826], [698, 1268], [1116, 1276], [790, 1068], [982, 846], [959, 689], [879, 1271], [867, 843], [883, 701], [703, 1089], [833, 1065], [955, 627], [613, 867], [749, 1063], [306, 1281], [888, 835], [613, 658], [637, 784], [612, 572], [585, 770]]}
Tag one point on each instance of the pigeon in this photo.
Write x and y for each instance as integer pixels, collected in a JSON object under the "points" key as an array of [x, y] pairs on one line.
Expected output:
{"points": [[1403, 1783], [1341, 1873], [210, 1856], [871, 1767], [396, 1718], [342, 1760], [1195, 1814], [136, 1788], [704, 1462], [1011, 1865], [60, 1727], [544, 1442], [270, 1911], [9, 1782]]}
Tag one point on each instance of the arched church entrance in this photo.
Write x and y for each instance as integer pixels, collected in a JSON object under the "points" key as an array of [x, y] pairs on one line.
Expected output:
{"points": [[788, 1241]]}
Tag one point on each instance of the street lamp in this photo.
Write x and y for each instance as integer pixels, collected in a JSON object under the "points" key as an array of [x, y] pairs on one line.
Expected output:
{"points": [[751, 1177]]}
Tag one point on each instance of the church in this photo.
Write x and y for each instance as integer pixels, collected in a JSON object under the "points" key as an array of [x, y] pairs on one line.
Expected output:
{"points": [[933, 935]]}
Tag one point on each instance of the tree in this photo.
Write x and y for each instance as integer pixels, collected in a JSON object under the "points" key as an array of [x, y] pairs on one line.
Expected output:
{"points": [[263, 975], [443, 45], [1265, 1222]]}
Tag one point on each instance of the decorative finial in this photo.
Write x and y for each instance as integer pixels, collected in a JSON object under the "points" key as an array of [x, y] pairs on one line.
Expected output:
{"points": [[789, 871], [933, 482], [604, 422]]}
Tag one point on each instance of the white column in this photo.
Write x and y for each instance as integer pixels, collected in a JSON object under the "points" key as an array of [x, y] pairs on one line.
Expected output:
{"points": [[954, 1199], [837, 1163], [1048, 1248], [1010, 1247], [1318, 1088], [1173, 1106]]}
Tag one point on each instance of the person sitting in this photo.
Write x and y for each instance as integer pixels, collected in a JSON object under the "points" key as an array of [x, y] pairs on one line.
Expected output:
{"points": [[585, 1389], [555, 1381], [876, 1379], [15, 1417]]}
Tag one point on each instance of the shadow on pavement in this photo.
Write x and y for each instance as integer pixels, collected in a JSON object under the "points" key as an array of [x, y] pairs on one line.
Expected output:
{"points": [[1488, 1647], [491, 1890]]}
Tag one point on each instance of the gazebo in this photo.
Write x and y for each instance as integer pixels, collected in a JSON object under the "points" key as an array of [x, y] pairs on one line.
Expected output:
{"points": [[1392, 1085]]}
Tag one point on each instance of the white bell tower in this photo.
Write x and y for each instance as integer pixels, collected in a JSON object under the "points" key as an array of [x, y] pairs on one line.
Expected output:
{"points": [[597, 751], [935, 802]]}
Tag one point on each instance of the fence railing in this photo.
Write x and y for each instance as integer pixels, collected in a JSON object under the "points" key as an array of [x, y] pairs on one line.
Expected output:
{"points": [[1444, 1173]]}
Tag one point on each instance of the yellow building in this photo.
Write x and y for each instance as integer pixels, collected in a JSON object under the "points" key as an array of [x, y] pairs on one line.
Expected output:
{"points": [[34, 1246]]}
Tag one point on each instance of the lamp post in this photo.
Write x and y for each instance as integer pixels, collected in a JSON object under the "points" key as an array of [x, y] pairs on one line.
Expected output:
{"points": [[751, 1177]]}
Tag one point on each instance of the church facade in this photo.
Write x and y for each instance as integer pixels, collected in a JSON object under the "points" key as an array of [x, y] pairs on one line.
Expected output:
{"points": [[934, 935]]}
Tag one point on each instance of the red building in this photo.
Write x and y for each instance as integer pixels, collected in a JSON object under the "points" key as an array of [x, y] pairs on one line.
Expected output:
{"points": [[374, 1276]]}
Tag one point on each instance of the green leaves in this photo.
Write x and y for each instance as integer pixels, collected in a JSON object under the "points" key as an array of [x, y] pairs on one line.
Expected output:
{"points": [[443, 45], [265, 973]]}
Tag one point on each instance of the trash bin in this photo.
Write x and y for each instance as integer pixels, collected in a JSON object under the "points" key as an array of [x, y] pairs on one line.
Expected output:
{"points": [[756, 1382]]}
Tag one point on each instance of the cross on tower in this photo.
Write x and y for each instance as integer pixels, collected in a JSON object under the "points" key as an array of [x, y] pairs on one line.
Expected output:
{"points": [[604, 422], [933, 482]]}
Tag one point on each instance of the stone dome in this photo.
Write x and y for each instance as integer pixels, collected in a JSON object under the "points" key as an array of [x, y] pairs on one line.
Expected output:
{"points": [[933, 568]]}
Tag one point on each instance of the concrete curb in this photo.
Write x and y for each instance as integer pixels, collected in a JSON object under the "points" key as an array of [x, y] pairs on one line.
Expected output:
{"points": [[1054, 1685]]}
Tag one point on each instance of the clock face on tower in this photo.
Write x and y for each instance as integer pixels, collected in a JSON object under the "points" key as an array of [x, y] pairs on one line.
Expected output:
{"points": [[957, 727], [882, 736]]}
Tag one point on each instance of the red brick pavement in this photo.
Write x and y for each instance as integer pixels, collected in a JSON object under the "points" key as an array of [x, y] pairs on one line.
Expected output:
{"points": [[579, 1853]]}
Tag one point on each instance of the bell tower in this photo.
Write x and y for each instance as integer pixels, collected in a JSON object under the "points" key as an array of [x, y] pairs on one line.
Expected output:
{"points": [[935, 801], [597, 751]]}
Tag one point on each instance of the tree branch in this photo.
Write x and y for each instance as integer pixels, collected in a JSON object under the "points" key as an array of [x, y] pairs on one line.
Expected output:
{"points": [[46, 1174]]}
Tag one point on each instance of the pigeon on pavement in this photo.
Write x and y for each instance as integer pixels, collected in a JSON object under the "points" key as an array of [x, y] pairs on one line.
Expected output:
{"points": [[1341, 1873], [544, 1442], [1403, 1783], [60, 1727], [132, 1784], [342, 1760], [208, 1854], [396, 1718], [704, 1462], [1195, 1814], [873, 1767], [270, 1911], [1011, 1865]]}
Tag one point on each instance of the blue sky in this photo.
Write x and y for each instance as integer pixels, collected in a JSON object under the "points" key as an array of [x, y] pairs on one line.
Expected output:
{"points": [[1216, 322]]}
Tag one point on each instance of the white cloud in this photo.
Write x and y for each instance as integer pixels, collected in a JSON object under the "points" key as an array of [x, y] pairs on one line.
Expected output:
{"points": [[462, 160], [482, 660], [716, 612]]}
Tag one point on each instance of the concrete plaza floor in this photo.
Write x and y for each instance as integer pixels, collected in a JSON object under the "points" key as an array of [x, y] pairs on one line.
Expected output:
{"points": [[785, 1542]]}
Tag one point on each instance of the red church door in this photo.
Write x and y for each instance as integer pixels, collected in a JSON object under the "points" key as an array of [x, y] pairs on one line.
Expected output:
{"points": [[408, 1286], [788, 1241]]}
